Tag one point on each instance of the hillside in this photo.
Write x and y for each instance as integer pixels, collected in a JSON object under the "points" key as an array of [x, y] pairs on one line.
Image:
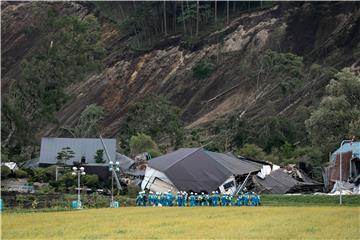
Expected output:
{"points": [[238, 80]]}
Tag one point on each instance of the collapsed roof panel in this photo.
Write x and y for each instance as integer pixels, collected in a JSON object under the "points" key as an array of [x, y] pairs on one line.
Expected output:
{"points": [[279, 182], [194, 169]]}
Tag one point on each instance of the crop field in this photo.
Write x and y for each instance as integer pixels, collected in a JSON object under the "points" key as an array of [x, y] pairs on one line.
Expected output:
{"points": [[266, 222]]}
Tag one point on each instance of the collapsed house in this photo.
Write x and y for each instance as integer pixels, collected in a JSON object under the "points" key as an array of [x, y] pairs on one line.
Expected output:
{"points": [[349, 156], [282, 181], [198, 170]]}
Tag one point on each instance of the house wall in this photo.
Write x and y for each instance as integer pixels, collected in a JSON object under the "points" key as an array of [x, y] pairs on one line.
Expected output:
{"points": [[162, 182]]}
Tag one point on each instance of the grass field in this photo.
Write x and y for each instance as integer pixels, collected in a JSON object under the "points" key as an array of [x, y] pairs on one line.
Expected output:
{"points": [[266, 222]]}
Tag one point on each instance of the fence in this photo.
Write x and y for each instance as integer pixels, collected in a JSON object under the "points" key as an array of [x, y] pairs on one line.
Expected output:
{"points": [[14, 200]]}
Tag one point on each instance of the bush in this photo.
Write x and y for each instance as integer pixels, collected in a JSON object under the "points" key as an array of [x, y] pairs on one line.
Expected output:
{"points": [[43, 174], [21, 173], [142, 143], [202, 69], [67, 180], [252, 151], [154, 153], [5, 172], [91, 181]]}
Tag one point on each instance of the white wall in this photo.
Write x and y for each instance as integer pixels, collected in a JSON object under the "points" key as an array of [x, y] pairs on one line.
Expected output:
{"points": [[151, 174]]}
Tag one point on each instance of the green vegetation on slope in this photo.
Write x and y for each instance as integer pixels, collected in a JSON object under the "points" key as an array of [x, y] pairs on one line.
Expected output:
{"points": [[73, 50]]}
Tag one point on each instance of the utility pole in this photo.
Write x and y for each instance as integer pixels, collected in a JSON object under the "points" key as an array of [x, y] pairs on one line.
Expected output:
{"points": [[342, 143]]}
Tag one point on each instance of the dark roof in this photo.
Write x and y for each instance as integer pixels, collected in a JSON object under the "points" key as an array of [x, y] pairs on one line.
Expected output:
{"points": [[279, 182], [198, 170], [86, 147], [124, 161]]}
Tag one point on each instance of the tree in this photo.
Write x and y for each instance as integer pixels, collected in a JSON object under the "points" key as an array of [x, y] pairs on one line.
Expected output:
{"points": [[252, 151], [99, 156], [156, 117], [165, 28], [89, 124], [71, 49], [336, 117], [65, 155], [142, 143]]}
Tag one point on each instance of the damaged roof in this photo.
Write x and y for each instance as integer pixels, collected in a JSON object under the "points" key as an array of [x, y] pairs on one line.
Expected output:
{"points": [[347, 147], [199, 170], [279, 182]]}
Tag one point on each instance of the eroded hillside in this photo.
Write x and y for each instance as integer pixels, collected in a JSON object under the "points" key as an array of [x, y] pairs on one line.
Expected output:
{"points": [[327, 34]]}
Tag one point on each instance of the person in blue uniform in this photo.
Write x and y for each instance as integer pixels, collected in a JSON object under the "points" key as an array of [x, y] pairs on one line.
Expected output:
{"points": [[217, 198], [223, 199], [178, 199], [143, 199], [192, 199], [196, 199], [169, 198], [228, 199], [151, 198], [138, 199], [185, 195]]}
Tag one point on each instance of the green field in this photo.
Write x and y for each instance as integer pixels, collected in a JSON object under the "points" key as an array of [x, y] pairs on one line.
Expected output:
{"points": [[266, 222]]}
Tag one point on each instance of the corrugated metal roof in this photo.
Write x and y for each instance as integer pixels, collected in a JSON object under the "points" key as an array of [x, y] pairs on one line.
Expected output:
{"points": [[86, 147], [347, 147]]}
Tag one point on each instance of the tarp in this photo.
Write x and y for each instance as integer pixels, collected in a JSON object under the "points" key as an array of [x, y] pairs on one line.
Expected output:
{"points": [[197, 170]]}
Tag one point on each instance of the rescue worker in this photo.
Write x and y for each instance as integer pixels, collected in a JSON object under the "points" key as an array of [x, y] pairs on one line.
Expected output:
{"points": [[223, 199], [151, 198], [184, 198], [178, 199], [157, 199], [228, 199], [192, 199], [144, 199], [217, 198], [196, 199], [170, 198], [138, 199]]}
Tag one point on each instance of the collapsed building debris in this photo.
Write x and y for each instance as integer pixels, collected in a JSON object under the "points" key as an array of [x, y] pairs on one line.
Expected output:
{"points": [[349, 156], [282, 181]]}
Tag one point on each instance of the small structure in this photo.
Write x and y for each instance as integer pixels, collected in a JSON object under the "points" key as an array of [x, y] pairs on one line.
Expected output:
{"points": [[350, 158], [197, 170], [11, 165]]}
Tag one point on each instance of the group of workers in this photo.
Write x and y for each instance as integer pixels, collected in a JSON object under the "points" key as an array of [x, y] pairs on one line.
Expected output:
{"points": [[183, 199]]}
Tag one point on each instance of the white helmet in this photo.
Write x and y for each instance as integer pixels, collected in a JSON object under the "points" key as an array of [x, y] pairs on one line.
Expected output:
{"points": [[213, 192], [195, 193], [191, 193]]}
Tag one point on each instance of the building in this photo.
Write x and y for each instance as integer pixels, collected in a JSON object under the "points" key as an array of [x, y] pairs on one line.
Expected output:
{"points": [[196, 170], [84, 150], [350, 158]]}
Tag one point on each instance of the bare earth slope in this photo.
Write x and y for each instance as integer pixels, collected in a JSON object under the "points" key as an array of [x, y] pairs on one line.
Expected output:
{"points": [[323, 33]]}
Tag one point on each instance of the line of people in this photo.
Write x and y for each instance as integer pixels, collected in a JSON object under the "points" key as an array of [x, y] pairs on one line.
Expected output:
{"points": [[183, 199]]}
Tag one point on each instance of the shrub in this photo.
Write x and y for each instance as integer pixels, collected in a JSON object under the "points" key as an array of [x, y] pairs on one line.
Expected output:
{"points": [[91, 180], [5, 172], [202, 69], [21, 173], [252, 151]]}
